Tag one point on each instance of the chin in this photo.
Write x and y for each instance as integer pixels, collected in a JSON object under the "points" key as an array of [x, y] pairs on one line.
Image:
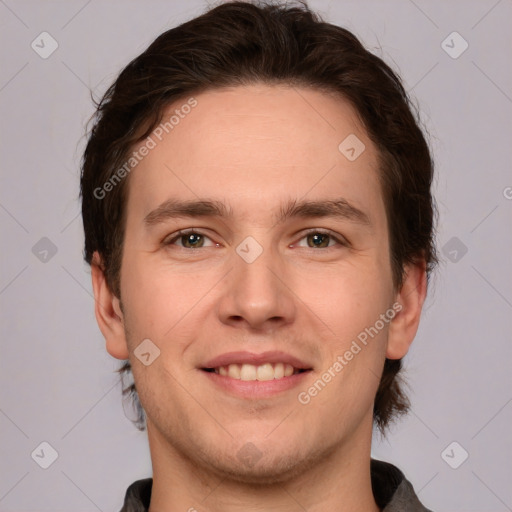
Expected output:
{"points": [[276, 471], [253, 467]]}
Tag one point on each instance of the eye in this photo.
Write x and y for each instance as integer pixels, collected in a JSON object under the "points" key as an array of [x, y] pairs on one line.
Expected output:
{"points": [[189, 239], [193, 239], [319, 239]]}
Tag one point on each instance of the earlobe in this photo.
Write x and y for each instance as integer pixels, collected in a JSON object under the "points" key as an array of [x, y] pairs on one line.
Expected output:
{"points": [[411, 297], [108, 312]]}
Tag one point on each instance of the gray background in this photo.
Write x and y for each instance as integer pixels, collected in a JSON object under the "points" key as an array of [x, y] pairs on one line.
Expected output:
{"points": [[57, 381]]}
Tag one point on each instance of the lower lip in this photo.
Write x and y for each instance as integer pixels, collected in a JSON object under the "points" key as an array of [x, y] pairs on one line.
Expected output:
{"points": [[256, 389]]}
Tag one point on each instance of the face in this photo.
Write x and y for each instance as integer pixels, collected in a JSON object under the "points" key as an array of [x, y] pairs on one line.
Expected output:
{"points": [[250, 295]]}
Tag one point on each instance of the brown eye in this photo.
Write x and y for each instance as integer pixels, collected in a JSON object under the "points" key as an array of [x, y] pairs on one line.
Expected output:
{"points": [[189, 240], [192, 240], [318, 240]]}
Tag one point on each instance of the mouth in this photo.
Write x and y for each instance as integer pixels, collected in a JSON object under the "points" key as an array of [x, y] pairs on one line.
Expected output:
{"points": [[256, 376], [251, 372]]}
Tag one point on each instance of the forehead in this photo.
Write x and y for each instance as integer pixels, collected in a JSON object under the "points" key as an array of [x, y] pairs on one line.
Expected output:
{"points": [[268, 123], [255, 143]]}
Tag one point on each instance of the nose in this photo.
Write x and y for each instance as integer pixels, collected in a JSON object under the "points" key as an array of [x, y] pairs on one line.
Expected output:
{"points": [[256, 294]]}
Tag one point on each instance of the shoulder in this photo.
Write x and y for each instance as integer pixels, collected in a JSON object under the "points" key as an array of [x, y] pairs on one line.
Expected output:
{"points": [[138, 496], [392, 491]]}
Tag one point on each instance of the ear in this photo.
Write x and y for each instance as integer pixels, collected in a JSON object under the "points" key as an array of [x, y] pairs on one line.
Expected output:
{"points": [[108, 312], [404, 325]]}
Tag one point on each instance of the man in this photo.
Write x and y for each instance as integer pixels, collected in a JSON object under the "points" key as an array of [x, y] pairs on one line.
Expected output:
{"points": [[259, 223]]}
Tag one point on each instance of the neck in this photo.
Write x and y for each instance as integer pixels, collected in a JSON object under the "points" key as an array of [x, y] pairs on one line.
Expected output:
{"points": [[339, 480]]}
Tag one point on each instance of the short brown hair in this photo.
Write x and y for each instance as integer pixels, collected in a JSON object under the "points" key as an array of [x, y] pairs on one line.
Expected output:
{"points": [[241, 43]]}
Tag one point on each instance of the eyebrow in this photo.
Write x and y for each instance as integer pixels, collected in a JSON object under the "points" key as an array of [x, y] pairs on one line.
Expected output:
{"points": [[338, 208]]}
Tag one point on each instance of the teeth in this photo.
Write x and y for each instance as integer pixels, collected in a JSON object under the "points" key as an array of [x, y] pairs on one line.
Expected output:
{"points": [[234, 371], [249, 372], [265, 372], [279, 371]]}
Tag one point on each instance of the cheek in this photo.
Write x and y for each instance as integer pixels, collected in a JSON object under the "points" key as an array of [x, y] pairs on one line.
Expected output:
{"points": [[355, 347], [347, 298], [160, 301]]}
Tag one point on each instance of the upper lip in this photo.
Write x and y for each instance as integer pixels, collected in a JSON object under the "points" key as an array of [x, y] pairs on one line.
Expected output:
{"points": [[244, 357]]}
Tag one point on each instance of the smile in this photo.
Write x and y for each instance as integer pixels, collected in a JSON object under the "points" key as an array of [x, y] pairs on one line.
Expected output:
{"points": [[250, 372], [255, 376]]}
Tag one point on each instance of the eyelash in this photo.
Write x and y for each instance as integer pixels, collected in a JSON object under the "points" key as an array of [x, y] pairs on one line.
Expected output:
{"points": [[176, 236]]}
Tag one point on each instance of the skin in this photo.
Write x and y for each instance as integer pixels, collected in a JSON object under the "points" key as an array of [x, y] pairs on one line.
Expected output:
{"points": [[254, 148]]}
